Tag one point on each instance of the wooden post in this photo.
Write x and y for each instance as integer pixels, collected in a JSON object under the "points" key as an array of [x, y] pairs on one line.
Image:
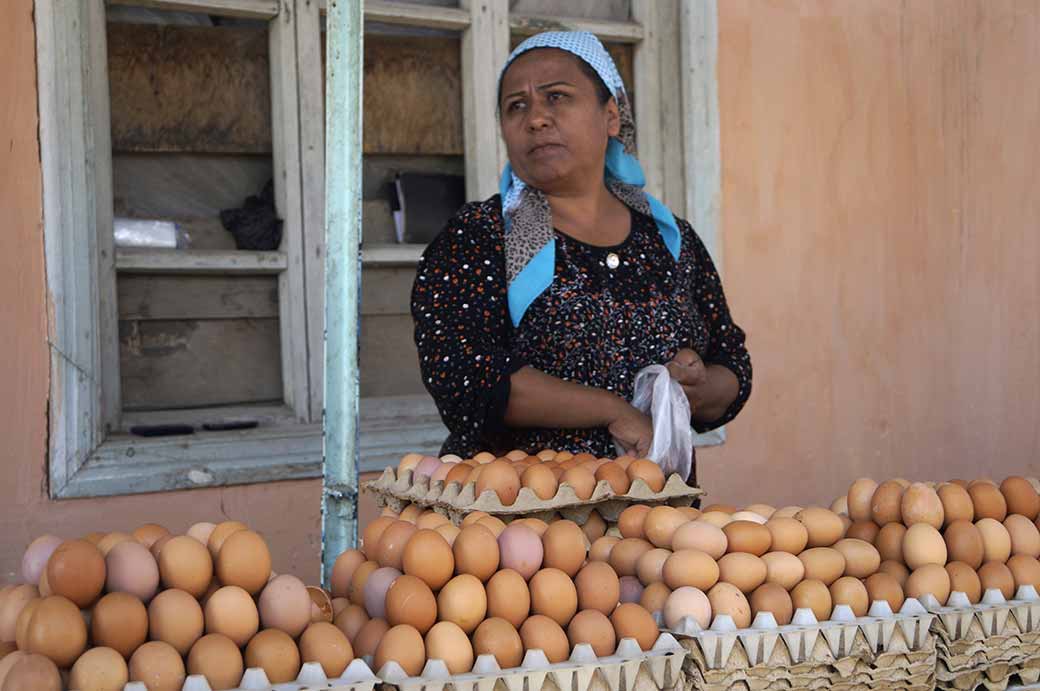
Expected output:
{"points": [[485, 47], [345, 24]]}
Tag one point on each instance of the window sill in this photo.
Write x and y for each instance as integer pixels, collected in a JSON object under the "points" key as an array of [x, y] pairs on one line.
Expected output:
{"points": [[391, 255]]}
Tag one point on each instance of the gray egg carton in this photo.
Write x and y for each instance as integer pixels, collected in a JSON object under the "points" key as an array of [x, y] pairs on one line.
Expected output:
{"points": [[455, 500], [356, 677], [990, 645], [628, 669]]}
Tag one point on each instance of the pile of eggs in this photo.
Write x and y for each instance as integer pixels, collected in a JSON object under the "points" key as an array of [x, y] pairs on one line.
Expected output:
{"points": [[97, 612], [543, 473], [421, 588]]}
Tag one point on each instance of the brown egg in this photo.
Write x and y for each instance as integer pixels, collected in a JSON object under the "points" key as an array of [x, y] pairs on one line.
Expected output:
{"points": [[23, 621], [148, 533], [175, 617], [554, 594], [350, 621], [408, 462], [449, 532], [702, 536], [410, 601], [542, 633], [11, 607], [863, 530], [716, 518], [57, 631], [325, 644], [995, 575], [274, 652], [1025, 569], [356, 590], [824, 526], [368, 637], [392, 542], [1025, 538], [653, 598], [9, 660], [457, 474], [647, 471], [580, 480], [921, 504], [537, 525], [508, 597], [988, 502], [598, 587], [743, 570], [616, 476], [594, 527], [221, 533], [930, 578], [770, 597], [218, 659], [690, 567], [186, 565], [158, 545], [859, 497], [721, 508], [650, 566], [158, 666], [284, 604], [625, 554], [463, 601], [885, 505], [131, 568], [564, 547], [372, 534], [321, 603], [428, 556], [964, 543], [964, 578], [996, 541], [850, 591], [476, 552], [783, 569], [861, 558], [76, 570], [32, 673], [631, 521], [889, 542], [592, 627], [813, 594], [499, 638], [956, 503], [726, 598], [745, 536], [786, 512], [883, 586], [601, 548], [103, 669], [201, 531], [244, 561], [541, 480], [895, 569], [923, 544], [119, 622], [631, 620], [502, 479], [1020, 497], [231, 611], [823, 564], [447, 642], [410, 513], [661, 524]]}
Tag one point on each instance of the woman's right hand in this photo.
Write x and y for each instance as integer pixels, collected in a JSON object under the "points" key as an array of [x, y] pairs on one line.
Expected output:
{"points": [[633, 430]]}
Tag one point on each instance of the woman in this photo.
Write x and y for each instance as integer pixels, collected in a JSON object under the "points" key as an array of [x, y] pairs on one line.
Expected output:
{"points": [[535, 309]]}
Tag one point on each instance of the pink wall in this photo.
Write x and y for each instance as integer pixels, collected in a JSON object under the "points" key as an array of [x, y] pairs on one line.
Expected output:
{"points": [[881, 232]]}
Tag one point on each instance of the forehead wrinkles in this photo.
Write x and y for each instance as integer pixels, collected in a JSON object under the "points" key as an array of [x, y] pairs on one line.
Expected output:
{"points": [[542, 66]]}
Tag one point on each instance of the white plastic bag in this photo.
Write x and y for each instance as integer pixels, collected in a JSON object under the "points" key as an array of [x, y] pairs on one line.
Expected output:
{"points": [[662, 398]]}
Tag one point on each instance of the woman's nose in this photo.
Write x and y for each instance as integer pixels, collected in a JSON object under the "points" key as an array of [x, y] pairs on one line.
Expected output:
{"points": [[538, 116]]}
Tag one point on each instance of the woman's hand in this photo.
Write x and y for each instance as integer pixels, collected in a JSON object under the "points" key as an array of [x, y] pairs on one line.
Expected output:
{"points": [[633, 430], [688, 369], [710, 389]]}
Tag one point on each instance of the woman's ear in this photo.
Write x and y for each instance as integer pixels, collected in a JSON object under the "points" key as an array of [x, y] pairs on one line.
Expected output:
{"points": [[613, 118]]}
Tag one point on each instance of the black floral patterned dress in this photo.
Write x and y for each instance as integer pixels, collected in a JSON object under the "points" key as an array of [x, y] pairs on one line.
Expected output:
{"points": [[595, 325]]}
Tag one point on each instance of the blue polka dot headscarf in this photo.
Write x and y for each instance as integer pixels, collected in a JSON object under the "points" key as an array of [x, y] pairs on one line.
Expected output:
{"points": [[530, 242]]}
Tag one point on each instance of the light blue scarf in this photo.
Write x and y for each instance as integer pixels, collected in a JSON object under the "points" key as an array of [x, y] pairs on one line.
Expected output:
{"points": [[530, 242]]}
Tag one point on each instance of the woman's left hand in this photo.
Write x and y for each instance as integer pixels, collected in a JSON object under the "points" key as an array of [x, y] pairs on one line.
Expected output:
{"points": [[709, 389], [688, 369]]}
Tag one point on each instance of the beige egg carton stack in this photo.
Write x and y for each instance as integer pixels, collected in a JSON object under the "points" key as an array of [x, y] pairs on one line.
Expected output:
{"points": [[356, 677], [628, 669], [990, 645], [883, 650], [455, 500]]}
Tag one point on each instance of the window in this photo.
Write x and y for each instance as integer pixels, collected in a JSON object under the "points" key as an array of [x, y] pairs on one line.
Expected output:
{"points": [[91, 452]]}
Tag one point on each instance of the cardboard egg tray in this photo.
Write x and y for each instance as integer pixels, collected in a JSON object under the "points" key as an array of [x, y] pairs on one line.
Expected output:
{"points": [[356, 677], [989, 645], [879, 651], [628, 669], [455, 500]]}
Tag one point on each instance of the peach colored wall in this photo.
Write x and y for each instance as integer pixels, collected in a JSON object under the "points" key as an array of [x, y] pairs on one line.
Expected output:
{"points": [[881, 232]]}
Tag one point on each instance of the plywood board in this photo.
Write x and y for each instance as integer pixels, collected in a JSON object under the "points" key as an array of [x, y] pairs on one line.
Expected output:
{"points": [[187, 88], [151, 297], [191, 363], [387, 291], [389, 364]]}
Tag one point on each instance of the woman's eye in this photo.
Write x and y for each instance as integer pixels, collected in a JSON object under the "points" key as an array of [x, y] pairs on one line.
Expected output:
{"points": [[514, 106], [556, 96]]}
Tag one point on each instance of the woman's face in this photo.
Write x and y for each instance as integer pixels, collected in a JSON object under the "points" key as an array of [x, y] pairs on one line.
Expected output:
{"points": [[553, 124]]}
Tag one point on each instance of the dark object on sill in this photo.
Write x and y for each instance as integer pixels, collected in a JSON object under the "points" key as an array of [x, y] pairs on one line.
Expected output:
{"points": [[161, 430], [255, 225], [422, 203], [230, 425]]}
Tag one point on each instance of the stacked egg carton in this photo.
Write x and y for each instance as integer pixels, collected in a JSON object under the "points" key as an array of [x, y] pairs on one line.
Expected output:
{"points": [[356, 677], [628, 669], [880, 651], [456, 501], [991, 644]]}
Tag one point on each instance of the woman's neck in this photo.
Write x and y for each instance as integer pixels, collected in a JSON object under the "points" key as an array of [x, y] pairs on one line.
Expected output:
{"points": [[595, 217]]}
